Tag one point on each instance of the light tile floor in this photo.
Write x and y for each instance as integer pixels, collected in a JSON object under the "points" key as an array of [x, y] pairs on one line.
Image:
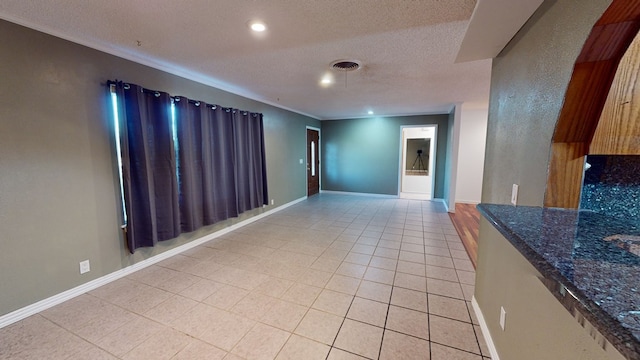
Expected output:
{"points": [[334, 277]]}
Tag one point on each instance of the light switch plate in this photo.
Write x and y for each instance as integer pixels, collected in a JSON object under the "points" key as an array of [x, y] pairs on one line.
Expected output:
{"points": [[503, 317], [85, 267]]}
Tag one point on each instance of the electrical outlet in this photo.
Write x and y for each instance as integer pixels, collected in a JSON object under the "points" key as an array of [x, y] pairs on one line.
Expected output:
{"points": [[85, 267], [503, 316], [301, 161], [273, 201], [514, 194]]}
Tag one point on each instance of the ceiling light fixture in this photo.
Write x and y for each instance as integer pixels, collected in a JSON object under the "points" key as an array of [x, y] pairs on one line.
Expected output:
{"points": [[258, 26], [326, 80]]}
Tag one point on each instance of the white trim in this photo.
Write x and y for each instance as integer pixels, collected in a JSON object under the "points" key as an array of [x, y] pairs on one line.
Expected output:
{"points": [[444, 202], [54, 300], [485, 330], [442, 111], [433, 157], [453, 161], [471, 202], [359, 194], [414, 196]]}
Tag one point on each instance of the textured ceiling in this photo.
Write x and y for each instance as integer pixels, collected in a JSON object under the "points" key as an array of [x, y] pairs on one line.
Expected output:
{"points": [[407, 47]]}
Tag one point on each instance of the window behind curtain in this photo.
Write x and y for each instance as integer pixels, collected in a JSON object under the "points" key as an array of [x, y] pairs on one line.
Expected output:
{"points": [[184, 164]]}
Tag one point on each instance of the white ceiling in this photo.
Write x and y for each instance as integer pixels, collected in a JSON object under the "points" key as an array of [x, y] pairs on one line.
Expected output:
{"points": [[408, 48]]}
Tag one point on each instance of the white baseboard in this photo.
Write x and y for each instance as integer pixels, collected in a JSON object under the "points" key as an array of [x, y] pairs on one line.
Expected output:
{"points": [[485, 330], [54, 300], [470, 202], [359, 194], [414, 196]]}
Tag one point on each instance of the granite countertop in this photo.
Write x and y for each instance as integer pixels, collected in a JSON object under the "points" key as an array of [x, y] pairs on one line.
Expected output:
{"points": [[592, 255]]}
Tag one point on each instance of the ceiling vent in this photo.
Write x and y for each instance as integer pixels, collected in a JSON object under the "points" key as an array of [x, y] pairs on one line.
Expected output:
{"points": [[345, 65]]}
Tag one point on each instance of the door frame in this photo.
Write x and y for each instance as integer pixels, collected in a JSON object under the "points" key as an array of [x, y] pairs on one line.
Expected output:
{"points": [[401, 155], [306, 173]]}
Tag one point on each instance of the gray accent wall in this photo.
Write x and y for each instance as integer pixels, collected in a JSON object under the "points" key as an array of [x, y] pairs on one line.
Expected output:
{"points": [[537, 325], [363, 155], [59, 193], [528, 83], [446, 191], [529, 80]]}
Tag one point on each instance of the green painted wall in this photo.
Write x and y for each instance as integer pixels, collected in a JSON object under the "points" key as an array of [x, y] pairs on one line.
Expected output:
{"points": [[363, 155], [529, 79], [58, 182]]}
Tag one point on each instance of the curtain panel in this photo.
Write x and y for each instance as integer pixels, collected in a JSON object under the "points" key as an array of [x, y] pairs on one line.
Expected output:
{"points": [[148, 166], [182, 171], [221, 175], [191, 140], [250, 160]]}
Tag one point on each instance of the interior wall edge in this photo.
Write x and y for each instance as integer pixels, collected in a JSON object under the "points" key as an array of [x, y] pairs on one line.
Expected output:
{"points": [[485, 329]]}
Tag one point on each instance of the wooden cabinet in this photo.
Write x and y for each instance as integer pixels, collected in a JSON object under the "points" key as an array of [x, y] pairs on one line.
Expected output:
{"points": [[618, 130], [587, 95]]}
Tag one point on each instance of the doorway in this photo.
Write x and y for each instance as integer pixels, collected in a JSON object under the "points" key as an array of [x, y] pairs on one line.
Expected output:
{"points": [[417, 162], [313, 161]]}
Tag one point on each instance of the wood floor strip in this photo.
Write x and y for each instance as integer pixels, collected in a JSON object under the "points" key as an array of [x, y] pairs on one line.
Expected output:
{"points": [[466, 220]]}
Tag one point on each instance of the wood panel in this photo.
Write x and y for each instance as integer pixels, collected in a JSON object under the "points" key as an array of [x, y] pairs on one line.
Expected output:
{"points": [[466, 220], [586, 95], [618, 131], [607, 42], [584, 100], [620, 11], [565, 175]]}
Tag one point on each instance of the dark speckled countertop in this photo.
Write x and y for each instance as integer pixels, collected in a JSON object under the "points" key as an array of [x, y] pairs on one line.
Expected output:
{"points": [[568, 247]]}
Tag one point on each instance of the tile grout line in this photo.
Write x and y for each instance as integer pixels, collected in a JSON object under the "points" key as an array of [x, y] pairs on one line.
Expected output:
{"points": [[344, 318], [427, 295], [386, 319]]}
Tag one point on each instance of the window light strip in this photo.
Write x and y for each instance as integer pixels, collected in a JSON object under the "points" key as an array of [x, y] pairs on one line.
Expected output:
{"points": [[116, 122]]}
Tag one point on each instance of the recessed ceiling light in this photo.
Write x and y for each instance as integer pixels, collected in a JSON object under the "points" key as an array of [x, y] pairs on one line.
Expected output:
{"points": [[326, 80], [257, 26]]}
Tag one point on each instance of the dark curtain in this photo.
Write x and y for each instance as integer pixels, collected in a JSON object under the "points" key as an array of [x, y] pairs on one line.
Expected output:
{"points": [[189, 118], [220, 177], [149, 166], [261, 178], [250, 166], [219, 170], [206, 166]]}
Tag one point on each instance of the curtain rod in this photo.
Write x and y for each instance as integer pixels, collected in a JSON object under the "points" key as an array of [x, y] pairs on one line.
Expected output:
{"points": [[127, 86]]}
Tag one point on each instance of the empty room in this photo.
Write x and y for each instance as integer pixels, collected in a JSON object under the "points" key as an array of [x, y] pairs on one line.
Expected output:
{"points": [[384, 179]]}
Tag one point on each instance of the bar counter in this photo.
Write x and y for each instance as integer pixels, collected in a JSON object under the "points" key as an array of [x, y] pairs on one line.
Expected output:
{"points": [[589, 261]]}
